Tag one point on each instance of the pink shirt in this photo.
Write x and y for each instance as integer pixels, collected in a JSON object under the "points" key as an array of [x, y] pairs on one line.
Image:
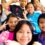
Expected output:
{"points": [[6, 35], [11, 35]]}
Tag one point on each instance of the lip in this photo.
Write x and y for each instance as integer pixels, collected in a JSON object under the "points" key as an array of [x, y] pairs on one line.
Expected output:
{"points": [[12, 26], [43, 28], [24, 40]]}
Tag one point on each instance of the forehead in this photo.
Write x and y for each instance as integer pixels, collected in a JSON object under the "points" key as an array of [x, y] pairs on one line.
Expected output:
{"points": [[30, 5], [25, 26], [42, 19], [12, 18]]}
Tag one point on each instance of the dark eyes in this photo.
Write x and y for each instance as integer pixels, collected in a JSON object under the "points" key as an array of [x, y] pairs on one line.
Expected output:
{"points": [[23, 32], [41, 22], [28, 32]]}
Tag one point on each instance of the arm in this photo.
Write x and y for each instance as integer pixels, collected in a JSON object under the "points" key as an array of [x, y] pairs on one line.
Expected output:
{"points": [[2, 26], [4, 36], [24, 14]]}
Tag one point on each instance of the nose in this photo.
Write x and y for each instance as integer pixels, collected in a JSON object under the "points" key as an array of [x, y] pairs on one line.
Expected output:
{"points": [[44, 24], [24, 34], [13, 23]]}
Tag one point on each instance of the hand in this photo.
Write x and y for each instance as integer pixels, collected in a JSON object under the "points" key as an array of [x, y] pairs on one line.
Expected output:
{"points": [[25, 13], [3, 26], [36, 43]]}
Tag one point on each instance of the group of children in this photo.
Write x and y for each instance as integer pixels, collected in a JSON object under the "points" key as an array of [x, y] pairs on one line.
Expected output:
{"points": [[23, 25]]}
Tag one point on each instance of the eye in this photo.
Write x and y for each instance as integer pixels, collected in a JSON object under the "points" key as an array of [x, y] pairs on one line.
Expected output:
{"points": [[20, 31], [28, 32], [41, 22], [10, 21]]}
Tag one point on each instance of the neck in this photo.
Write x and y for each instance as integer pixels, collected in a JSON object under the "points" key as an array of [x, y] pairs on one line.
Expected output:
{"points": [[43, 33], [31, 13], [11, 30]]}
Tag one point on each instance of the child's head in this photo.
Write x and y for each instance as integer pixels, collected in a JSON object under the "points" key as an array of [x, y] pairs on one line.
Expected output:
{"points": [[23, 3], [23, 32], [11, 21], [41, 22], [30, 8], [38, 7]]}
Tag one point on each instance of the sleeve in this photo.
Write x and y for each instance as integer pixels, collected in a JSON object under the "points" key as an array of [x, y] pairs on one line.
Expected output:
{"points": [[4, 36]]}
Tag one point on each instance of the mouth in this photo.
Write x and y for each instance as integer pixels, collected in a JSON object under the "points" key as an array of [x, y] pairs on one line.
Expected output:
{"points": [[43, 29], [24, 40]]}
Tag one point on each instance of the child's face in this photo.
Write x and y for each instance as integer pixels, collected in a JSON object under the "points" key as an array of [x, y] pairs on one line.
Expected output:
{"points": [[12, 22], [42, 24], [24, 35], [23, 4], [30, 8], [38, 7]]}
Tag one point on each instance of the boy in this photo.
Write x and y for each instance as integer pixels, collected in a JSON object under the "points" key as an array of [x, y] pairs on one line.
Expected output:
{"points": [[41, 23]]}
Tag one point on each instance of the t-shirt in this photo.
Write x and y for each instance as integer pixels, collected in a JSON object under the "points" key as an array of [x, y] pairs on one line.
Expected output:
{"points": [[33, 19]]}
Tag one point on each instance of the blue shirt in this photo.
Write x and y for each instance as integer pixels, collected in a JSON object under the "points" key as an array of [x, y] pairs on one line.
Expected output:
{"points": [[33, 18]]}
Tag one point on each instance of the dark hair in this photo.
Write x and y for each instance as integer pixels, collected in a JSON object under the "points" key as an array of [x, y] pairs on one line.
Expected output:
{"points": [[41, 16], [19, 25], [10, 15], [27, 5]]}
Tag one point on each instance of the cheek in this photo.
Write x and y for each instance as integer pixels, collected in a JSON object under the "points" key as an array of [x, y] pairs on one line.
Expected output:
{"points": [[18, 36], [30, 37], [40, 25], [9, 25], [28, 10]]}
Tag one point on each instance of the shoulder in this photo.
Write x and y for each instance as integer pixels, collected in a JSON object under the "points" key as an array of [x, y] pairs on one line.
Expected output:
{"points": [[37, 12]]}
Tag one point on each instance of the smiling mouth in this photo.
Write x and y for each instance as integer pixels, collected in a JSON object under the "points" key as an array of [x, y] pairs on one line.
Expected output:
{"points": [[24, 40]]}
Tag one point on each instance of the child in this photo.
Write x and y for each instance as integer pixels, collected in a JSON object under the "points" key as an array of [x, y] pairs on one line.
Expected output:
{"points": [[32, 16], [41, 23], [11, 22]]}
